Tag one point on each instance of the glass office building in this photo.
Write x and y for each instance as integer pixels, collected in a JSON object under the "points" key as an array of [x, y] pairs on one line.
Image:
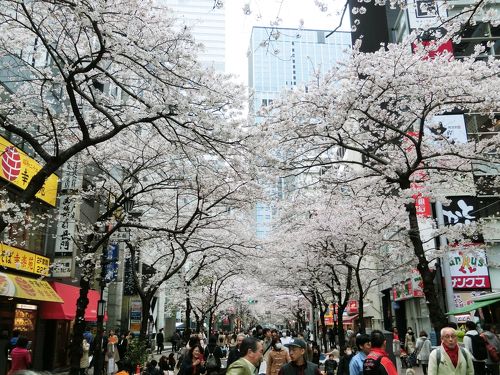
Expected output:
{"points": [[283, 59]]}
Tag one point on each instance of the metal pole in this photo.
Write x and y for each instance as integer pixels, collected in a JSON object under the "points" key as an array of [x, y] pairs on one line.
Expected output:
{"points": [[445, 264], [101, 308]]}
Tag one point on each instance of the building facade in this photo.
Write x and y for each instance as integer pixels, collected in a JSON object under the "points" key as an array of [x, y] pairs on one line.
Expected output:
{"points": [[283, 59], [207, 22]]}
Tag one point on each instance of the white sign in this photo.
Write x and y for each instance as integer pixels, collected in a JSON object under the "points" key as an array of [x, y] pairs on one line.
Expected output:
{"points": [[469, 269], [69, 212], [61, 267], [120, 236], [424, 14], [450, 127], [72, 176]]}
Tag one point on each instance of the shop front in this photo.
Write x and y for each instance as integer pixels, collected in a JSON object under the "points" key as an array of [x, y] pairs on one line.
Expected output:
{"points": [[58, 321], [20, 300]]}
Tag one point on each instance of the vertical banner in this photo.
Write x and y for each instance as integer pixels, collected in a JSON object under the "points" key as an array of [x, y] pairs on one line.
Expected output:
{"points": [[112, 263]]}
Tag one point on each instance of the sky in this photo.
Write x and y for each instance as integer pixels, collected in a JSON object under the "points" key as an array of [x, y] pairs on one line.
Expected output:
{"points": [[239, 25]]}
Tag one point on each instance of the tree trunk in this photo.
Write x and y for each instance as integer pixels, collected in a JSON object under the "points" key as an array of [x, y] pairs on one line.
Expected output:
{"points": [[323, 329], [146, 305], [361, 309], [436, 313], [210, 323], [187, 324], [79, 327]]}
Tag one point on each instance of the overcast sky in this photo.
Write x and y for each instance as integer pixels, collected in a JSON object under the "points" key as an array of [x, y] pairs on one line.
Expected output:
{"points": [[239, 25]]}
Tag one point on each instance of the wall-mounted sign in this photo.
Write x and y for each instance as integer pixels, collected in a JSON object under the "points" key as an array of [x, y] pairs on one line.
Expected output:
{"points": [[412, 287], [22, 260], [18, 168], [469, 269], [423, 14]]}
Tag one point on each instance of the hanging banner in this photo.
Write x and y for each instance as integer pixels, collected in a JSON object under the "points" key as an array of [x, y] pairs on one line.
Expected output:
{"points": [[18, 169]]}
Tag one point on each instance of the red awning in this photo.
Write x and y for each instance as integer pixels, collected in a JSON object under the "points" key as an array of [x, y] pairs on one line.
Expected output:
{"points": [[67, 310], [349, 319]]}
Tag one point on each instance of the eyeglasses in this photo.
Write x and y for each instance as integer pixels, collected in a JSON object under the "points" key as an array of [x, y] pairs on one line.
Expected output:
{"points": [[449, 336]]}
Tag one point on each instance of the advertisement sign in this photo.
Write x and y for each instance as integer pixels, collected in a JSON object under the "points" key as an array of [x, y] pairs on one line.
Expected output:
{"points": [[18, 169], [469, 269], [66, 225], [27, 288], [450, 127], [423, 14], [22, 260], [412, 287], [62, 266], [112, 263], [352, 307], [462, 210], [135, 315]]}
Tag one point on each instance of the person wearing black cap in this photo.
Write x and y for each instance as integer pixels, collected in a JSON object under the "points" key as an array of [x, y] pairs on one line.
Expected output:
{"points": [[298, 365]]}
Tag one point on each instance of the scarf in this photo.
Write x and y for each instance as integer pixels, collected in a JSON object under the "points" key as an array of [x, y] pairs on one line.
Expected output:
{"points": [[453, 354]]}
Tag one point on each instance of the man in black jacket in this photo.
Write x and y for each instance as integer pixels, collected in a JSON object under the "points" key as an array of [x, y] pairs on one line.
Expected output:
{"points": [[235, 354], [298, 365]]}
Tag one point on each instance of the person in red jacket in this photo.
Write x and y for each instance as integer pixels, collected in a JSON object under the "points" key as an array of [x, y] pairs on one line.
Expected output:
{"points": [[21, 357], [377, 362]]}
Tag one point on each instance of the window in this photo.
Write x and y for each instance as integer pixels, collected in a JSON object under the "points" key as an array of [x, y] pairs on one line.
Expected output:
{"points": [[483, 34]]}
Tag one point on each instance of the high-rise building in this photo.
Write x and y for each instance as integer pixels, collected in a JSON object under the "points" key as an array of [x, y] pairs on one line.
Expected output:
{"points": [[284, 59], [207, 22]]}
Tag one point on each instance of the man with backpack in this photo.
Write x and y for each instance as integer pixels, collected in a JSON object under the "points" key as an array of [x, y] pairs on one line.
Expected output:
{"points": [[475, 344], [377, 362], [450, 358], [493, 347]]}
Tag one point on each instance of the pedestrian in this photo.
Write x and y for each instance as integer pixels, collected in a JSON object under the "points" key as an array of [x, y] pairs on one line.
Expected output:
{"points": [[345, 361], [112, 355], [449, 358], [213, 355], [252, 352], [331, 365], [194, 362], [176, 338], [410, 341], [477, 347], [235, 353], [364, 347], [298, 364], [489, 334], [315, 353], [277, 357], [164, 365], [193, 341], [84, 359], [20, 355], [152, 369], [423, 349], [331, 338], [122, 345], [160, 341], [377, 361], [13, 339], [124, 367]]}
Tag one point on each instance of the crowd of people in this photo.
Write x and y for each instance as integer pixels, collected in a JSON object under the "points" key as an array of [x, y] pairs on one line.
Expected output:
{"points": [[265, 351]]}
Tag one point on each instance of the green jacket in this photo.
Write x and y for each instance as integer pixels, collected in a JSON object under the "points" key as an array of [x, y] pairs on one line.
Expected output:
{"points": [[241, 367]]}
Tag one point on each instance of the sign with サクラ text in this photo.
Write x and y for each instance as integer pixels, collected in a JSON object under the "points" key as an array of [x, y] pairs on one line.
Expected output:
{"points": [[469, 269], [18, 169]]}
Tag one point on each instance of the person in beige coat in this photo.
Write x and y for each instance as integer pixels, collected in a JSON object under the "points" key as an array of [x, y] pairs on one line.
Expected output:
{"points": [[276, 357], [449, 358], [112, 357]]}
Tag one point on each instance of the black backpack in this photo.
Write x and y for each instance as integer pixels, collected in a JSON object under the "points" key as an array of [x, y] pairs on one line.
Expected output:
{"points": [[372, 366], [211, 363], [479, 350]]}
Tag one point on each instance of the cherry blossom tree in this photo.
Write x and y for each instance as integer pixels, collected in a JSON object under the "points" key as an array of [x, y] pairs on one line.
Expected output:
{"points": [[76, 74], [374, 119]]}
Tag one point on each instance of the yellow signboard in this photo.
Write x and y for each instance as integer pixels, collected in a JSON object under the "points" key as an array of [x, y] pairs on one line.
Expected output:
{"points": [[27, 288], [22, 260], [18, 168]]}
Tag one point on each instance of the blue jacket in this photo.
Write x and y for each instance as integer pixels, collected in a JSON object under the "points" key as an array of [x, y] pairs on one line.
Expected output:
{"points": [[356, 364]]}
